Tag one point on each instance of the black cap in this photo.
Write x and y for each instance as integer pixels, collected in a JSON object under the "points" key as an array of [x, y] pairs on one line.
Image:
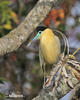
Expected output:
{"points": [[41, 28]]}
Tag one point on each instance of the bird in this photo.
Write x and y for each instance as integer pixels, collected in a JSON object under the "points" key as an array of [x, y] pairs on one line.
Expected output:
{"points": [[50, 49], [49, 46]]}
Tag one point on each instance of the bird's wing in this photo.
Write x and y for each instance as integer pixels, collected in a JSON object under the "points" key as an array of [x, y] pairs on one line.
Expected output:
{"points": [[41, 58]]}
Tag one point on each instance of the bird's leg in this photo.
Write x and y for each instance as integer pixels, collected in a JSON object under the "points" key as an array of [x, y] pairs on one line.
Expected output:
{"points": [[43, 68]]}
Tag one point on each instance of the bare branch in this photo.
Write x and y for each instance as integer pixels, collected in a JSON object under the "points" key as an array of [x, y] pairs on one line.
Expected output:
{"points": [[64, 85], [19, 35]]}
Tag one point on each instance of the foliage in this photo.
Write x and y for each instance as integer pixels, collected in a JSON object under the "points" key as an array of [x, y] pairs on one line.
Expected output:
{"points": [[2, 80], [2, 96], [7, 16]]}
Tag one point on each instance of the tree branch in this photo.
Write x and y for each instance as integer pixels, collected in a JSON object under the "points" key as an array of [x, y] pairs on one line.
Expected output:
{"points": [[19, 35], [61, 90], [64, 84]]}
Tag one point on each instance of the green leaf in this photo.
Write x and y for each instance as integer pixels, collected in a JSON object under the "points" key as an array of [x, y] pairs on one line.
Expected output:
{"points": [[2, 80], [2, 95], [61, 27]]}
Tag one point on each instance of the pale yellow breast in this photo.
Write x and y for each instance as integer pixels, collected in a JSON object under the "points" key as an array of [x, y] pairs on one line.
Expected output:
{"points": [[50, 46]]}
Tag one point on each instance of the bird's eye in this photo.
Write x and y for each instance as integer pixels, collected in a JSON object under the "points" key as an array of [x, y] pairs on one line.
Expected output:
{"points": [[40, 32]]}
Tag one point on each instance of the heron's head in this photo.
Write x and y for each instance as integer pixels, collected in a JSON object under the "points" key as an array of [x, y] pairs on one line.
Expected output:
{"points": [[39, 31]]}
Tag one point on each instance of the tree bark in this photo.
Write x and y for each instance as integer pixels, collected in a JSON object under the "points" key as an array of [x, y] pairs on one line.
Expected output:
{"points": [[63, 87], [13, 40]]}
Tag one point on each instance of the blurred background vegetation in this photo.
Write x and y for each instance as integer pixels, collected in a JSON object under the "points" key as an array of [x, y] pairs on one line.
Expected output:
{"points": [[20, 71]]}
